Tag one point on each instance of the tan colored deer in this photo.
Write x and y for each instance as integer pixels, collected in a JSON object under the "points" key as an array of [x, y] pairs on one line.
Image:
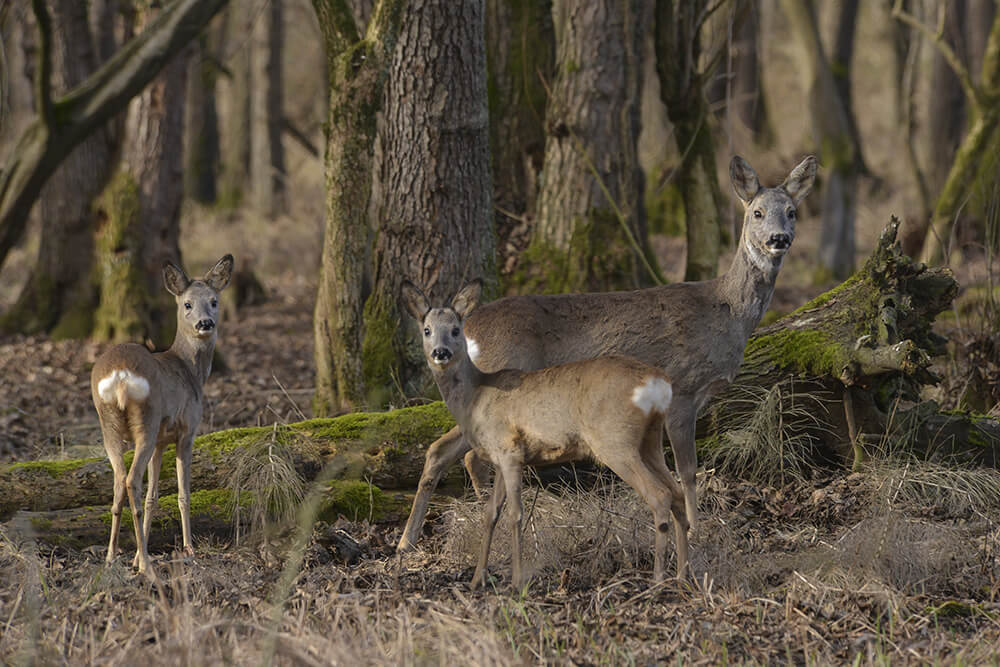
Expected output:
{"points": [[610, 409], [153, 399], [695, 331]]}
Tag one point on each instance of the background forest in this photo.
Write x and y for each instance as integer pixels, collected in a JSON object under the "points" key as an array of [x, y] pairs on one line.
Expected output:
{"points": [[338, 147]]}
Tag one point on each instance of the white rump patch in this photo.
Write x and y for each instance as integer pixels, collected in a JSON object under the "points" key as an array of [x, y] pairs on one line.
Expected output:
{"points": [[653, 396], [473, 349], [123, 386]]}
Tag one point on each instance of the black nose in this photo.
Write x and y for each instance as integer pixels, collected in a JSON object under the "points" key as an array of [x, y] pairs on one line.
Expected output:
{"points": [[441, 354], [204, 325], [779, 241]]}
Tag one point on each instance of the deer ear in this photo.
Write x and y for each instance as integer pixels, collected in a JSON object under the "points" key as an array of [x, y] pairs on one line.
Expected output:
{"points": [[175, 279], [467, 298], [744, 178], [220, 274], [414, 300], [800, 180]]}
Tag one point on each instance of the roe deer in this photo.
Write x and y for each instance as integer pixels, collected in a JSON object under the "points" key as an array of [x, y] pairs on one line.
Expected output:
{"points": [[610, 409], [694, 331], [152, 399]]}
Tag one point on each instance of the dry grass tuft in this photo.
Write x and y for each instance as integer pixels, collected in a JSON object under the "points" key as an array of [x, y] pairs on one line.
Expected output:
{"points": [[767, 435]]}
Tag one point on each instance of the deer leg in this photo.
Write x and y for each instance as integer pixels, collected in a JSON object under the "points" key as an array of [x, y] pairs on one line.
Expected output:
{"points": [[680, 428], [512, 481], [479, 472], [652, 455], [145, 446], [185, 447], [152, 496], [490, 517], [442, 453], [114, 445]]}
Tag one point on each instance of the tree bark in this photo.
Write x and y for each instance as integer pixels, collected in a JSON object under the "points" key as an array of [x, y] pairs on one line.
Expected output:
{"points": [[267, 156], [832, 133], [358, 69], [520, 59], [142, 214], [590, 232], [432, 193]]}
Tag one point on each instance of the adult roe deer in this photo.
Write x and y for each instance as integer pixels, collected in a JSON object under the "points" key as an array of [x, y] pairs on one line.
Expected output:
{"points": [[610, 409], [153, 399], [694, 331]]}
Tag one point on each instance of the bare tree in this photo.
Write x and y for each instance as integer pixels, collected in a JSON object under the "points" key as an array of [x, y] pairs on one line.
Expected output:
{"points": [[267, 156]]}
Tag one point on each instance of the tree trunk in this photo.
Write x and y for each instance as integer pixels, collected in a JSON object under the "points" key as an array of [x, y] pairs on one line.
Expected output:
{"points": [[432, 194], [267, 157], [201, 143], [947, 109], [142, 216], [59, 295], [358, 68], [235, 146], [840, 65], [520, 58], [590, 232], [682, 89], [832, 133]]}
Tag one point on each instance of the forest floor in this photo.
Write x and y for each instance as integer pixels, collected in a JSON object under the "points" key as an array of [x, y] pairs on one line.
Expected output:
{"points": [[897, 564]]}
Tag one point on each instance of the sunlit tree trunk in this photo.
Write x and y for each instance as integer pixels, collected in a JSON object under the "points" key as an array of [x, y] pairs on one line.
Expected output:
{"points": [[590, 229]]}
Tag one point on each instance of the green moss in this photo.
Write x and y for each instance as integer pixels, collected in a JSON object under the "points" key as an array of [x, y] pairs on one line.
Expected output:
{"points": [[807, 351], [55, 469], [665, 207], [357, 500], [379, 349], [217, 504], [418, 424]]}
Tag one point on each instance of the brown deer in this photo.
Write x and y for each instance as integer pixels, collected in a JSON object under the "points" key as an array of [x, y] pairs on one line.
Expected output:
{"points": [[695, 331], [152, 399], [610, 409]]}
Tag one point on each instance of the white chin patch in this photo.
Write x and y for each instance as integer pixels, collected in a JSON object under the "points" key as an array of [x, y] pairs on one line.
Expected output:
{"points": [[473, 349], [441, 362], [777, 252]]}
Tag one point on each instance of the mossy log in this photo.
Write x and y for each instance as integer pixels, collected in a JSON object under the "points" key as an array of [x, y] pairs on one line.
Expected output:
{"points": [[865, 349], [214, 512], [386, 449]]}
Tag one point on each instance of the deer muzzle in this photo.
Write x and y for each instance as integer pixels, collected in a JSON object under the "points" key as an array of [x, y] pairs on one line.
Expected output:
{"points": [[441, 355]]}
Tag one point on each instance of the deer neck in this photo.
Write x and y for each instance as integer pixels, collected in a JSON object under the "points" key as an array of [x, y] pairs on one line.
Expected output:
{"points": [[458, 384], [195, 354], [749, 284]]}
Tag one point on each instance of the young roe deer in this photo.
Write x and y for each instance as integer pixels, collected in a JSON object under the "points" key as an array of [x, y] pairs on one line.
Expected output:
{"points": [[610, 409], [153, 399], [694, 331]]}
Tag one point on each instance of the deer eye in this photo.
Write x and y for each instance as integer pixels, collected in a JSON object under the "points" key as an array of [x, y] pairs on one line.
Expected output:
{"points": [[455, 332], [758, 214], [215, 303], [187, 305], [427, 331], [791, 214]]}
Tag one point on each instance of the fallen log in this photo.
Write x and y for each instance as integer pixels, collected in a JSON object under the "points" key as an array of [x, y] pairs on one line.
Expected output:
{"points": [[386, 449], [861, 352]]}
